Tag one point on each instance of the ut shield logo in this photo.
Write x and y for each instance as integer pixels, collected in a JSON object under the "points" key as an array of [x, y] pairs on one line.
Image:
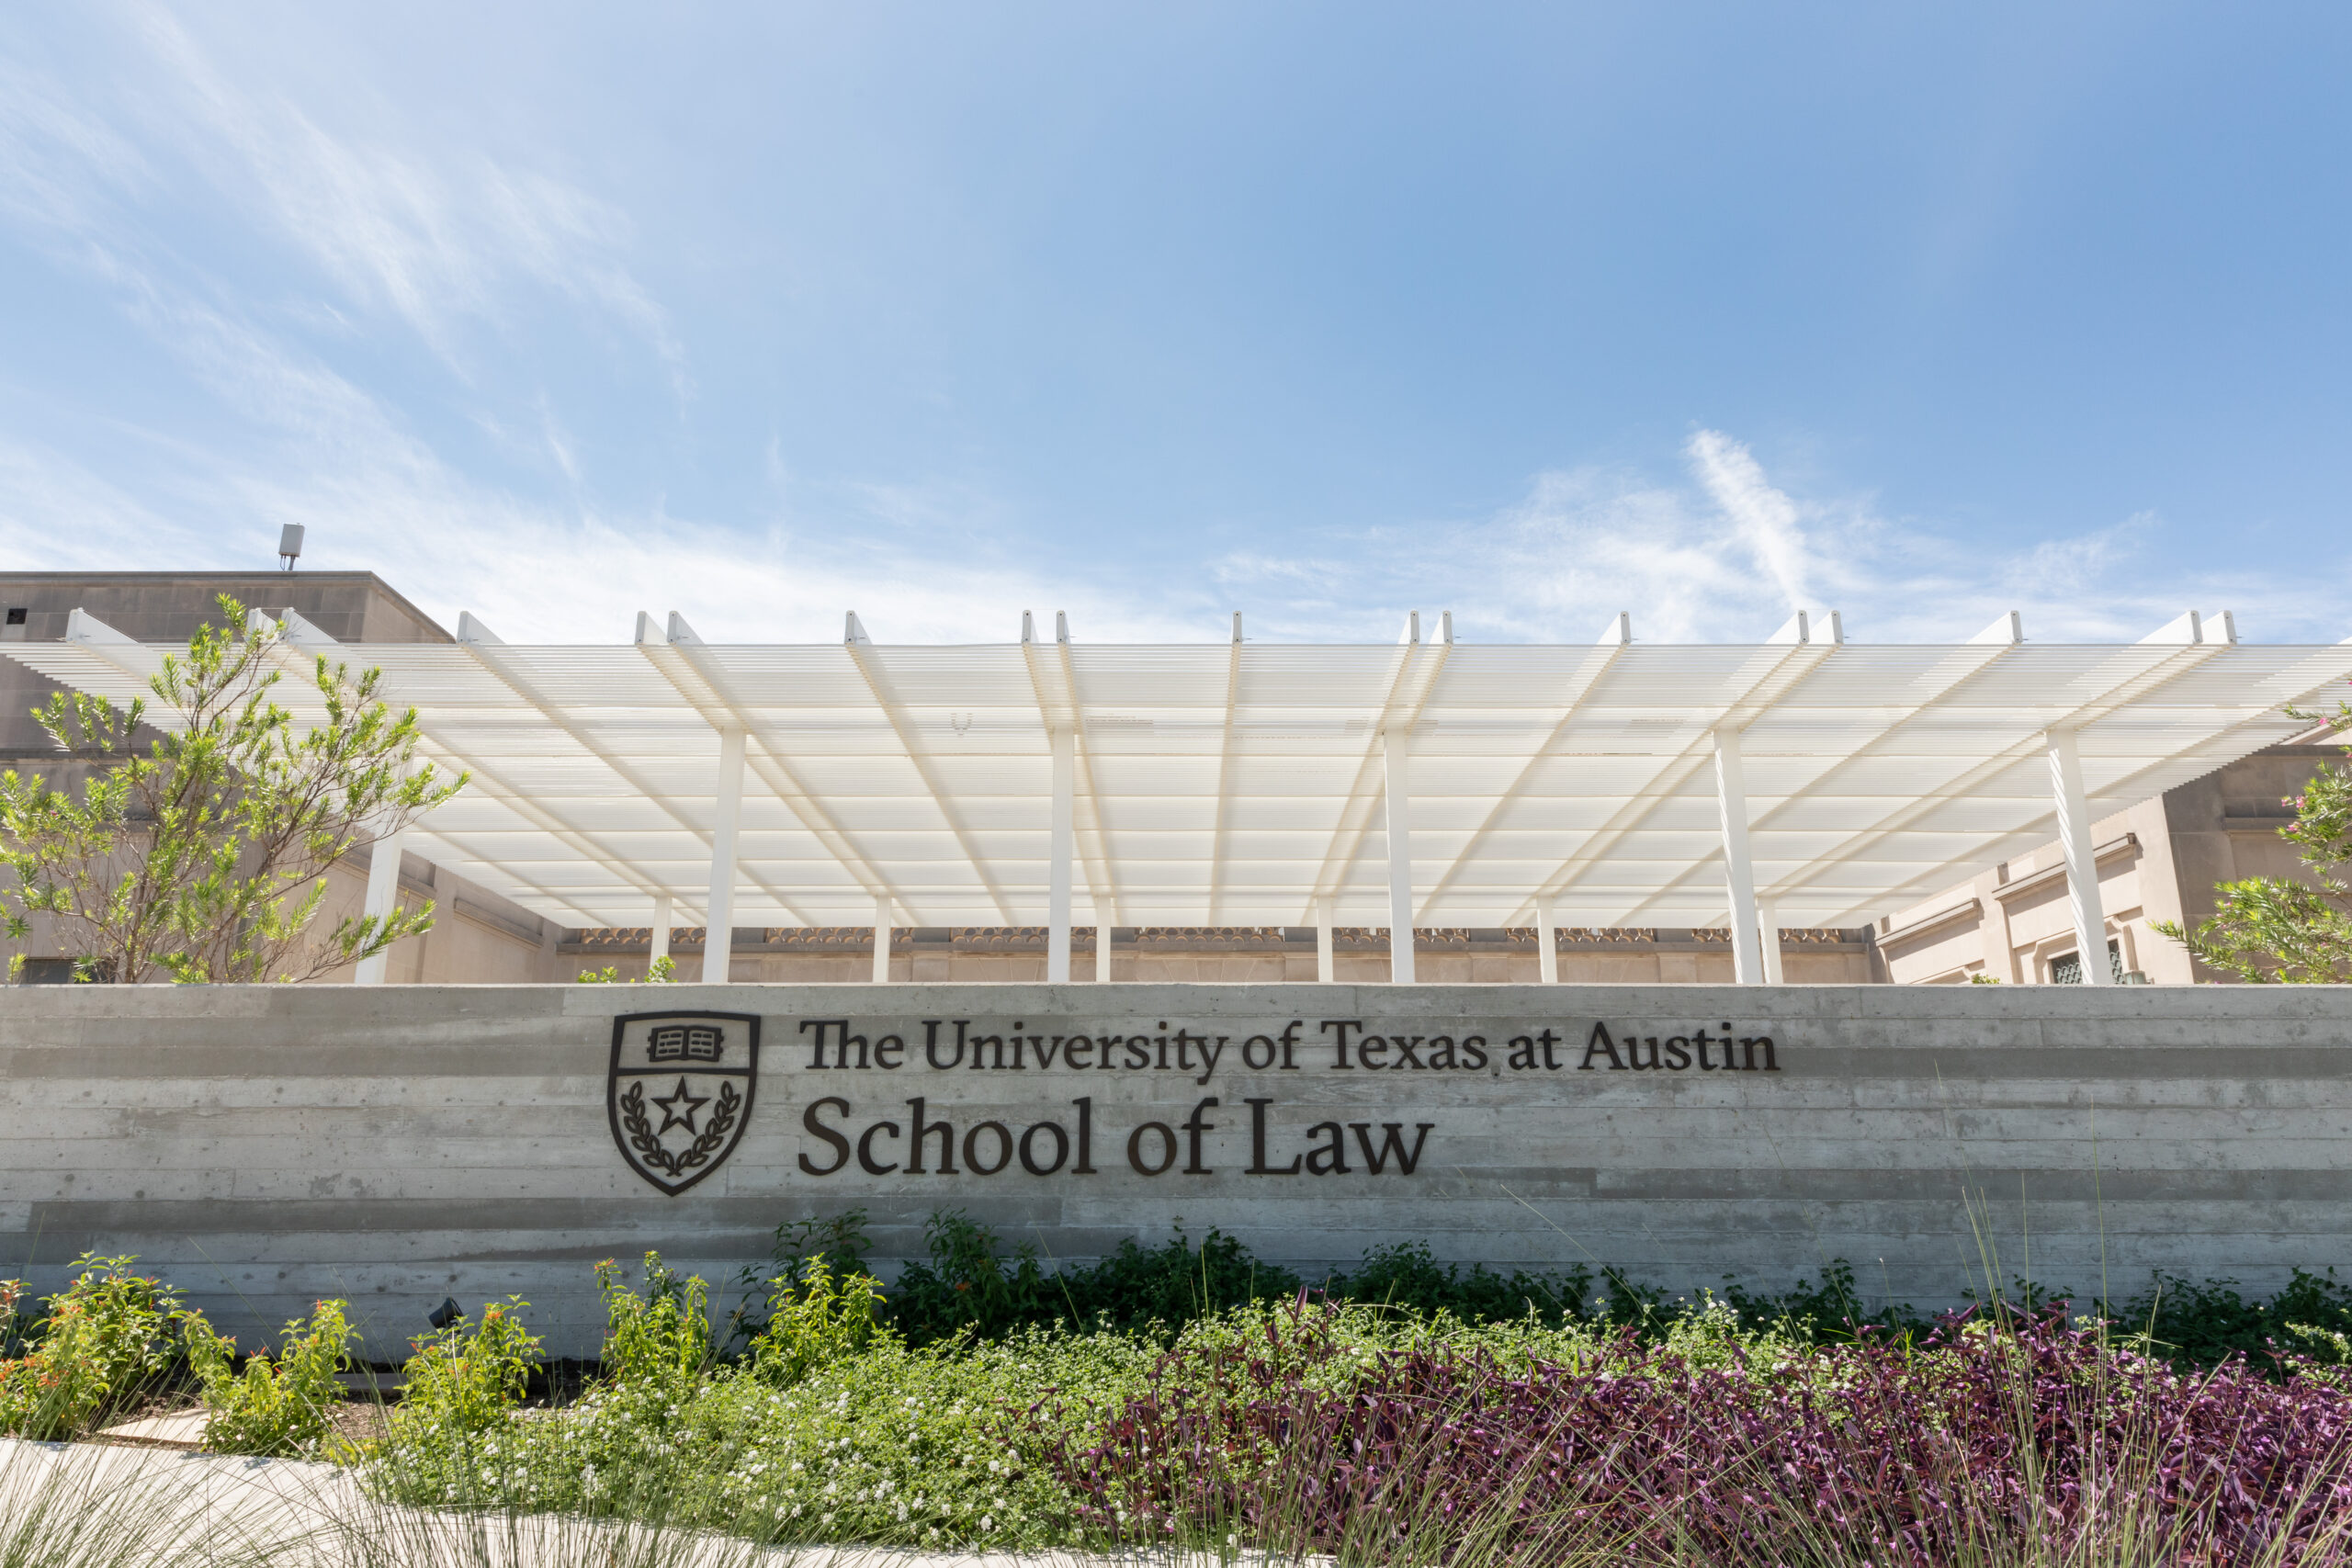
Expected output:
{"points": [[680, 1092]]}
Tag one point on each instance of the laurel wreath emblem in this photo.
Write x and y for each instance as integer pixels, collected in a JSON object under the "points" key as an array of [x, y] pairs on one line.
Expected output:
{"points": [[648, 1147]]}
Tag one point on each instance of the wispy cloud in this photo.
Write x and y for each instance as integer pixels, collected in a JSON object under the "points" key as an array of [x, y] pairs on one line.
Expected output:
{"points": [[60, 166], [1729, 554], [438, 240], [1765, 518]]}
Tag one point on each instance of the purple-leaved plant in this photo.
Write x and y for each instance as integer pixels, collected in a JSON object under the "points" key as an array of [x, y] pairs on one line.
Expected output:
{"points": [[1993, 1441]]}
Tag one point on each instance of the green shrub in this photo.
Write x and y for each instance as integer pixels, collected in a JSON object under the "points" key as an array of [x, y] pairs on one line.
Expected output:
{"points": [[839, 1243], [2204, 1324], [104, 1339], [661, 1340], [469, 1380], [272, 1407], [660, 972], [968, 1287], [815, 1321], [1406, 1276]]}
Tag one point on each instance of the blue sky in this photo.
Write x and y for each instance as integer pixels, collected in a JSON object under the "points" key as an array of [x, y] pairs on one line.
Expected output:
{"points": [[1315, 312]]}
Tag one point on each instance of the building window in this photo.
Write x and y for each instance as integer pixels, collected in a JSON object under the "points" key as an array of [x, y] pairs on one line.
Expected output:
{"points": [[59, 972], [2066, 969], [17, 613]]}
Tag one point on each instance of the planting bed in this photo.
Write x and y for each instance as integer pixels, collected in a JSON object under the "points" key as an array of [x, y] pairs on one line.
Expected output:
{"points": [[1243, 1414]]}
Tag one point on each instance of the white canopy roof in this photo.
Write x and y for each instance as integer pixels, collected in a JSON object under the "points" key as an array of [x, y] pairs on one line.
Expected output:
{"points": [[1237, 783]]}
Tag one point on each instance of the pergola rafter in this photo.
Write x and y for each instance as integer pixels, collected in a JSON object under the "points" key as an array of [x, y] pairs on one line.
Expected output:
{"points": [[1412, 675], [302, 635], [877, 676], [1770, 671], [1573, 693], [2099, 694], [485, 647], [703, 682]]}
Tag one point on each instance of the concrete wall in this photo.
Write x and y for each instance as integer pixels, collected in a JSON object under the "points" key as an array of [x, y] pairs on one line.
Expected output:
{"points": [[262, 1147]]}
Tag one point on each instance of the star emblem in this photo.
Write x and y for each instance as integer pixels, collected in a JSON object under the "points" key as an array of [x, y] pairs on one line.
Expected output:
{"points": [[678, 1108]]}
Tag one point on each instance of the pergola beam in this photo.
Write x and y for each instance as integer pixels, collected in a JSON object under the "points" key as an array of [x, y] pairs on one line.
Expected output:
{"points": [[686, 661], [878, 684], [484, 645], [2109, 692], [1949, 675], [1613, 641], [1767, 675], [1412, 678], [302, 635], [1066, 705]]}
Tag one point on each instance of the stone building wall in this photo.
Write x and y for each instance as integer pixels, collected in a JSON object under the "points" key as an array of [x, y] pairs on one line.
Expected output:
{"points": [[2157, 861], [1231, 955]]}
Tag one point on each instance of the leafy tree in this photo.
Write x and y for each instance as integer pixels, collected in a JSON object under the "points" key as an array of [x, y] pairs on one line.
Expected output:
{"points": [[204, 857], [2270, 929]]}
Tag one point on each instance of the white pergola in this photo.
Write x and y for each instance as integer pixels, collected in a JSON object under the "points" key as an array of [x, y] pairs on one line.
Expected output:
{"points": [[1805, 780]]}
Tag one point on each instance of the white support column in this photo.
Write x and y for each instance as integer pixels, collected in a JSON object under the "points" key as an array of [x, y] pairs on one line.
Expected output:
{"points": [[881, 941], [1739, 876], [2082, 864], [1768, 931], [1547, 942], [1102, 945], [383, 896], [1059, 876], [1324, 964], [662, 918], [1395, 748], [718, 944]]}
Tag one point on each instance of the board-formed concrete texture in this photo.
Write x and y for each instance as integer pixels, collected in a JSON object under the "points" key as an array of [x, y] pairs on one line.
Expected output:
{"points": [[262, 1147]]}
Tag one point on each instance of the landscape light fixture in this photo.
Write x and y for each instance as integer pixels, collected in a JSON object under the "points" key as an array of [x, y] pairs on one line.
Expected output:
{"points": [[289, 544], [445, 1315]]}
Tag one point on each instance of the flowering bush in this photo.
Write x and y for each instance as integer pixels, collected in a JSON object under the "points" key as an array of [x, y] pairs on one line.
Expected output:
{"points": [[444, 1442], [273, 1406], [897, 1446], [105, 1336]]}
